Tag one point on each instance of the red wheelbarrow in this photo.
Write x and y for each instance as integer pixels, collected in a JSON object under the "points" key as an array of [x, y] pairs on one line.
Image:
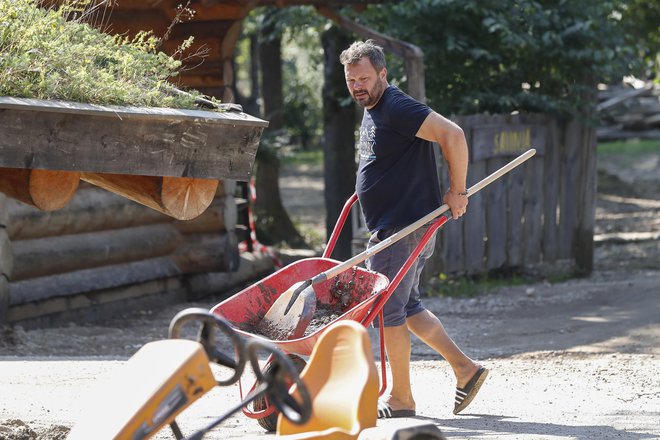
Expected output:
{"points": [[362, 294]]}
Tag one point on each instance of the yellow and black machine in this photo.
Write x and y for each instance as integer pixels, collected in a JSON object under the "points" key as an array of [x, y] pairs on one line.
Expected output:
{"points": [[165, 377]]}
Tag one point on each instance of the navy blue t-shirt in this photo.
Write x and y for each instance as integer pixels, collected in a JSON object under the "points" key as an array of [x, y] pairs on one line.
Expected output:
{"points": [[397, 180]]}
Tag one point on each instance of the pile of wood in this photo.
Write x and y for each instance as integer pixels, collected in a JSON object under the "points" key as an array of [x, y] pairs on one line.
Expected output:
{"points": [[628, 112]]}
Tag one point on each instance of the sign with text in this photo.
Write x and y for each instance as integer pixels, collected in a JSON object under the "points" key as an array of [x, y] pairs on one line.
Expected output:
{"points": [[507, 140]]}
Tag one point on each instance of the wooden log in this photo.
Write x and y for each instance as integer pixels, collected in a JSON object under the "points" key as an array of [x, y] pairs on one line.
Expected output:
{"points": [[6, 264], [44, 189], [6, 260], [208, 253], [5, 206], [252, 266], [183, 198], [91, 209], [91, 280], [218, 217], [52, 255]]}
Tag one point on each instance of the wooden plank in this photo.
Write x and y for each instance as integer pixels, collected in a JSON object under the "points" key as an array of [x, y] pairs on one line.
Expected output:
{"points": [[551, 194], [496, 217], [533, 196], [475, 220], [570, 182], [532, 236], [452, 235], [57, 135], [514, 244], [52, 255], [91, 280], [584, 241]]}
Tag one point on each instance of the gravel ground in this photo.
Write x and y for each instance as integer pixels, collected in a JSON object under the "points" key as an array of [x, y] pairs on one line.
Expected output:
{"points": [[579, 359]]}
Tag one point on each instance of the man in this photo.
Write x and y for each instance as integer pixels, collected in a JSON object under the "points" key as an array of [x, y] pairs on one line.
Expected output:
{"points": [[397, 183]]}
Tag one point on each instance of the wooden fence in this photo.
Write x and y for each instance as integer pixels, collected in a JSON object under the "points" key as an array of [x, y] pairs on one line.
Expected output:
{"points": [[541, 212]]}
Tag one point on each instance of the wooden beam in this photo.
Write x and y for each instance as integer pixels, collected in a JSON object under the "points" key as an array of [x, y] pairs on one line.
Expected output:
{"points": [[57, 135]]}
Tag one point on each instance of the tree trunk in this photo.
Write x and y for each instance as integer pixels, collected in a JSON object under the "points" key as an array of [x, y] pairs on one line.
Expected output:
{"points": [[272, 221], [338, 139]]}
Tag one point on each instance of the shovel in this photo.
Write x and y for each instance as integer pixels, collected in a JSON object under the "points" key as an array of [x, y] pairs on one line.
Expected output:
{"points": [[295, 324]]}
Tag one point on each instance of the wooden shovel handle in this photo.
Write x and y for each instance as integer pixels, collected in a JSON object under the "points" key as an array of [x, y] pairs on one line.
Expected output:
{"points": [[354, 261]]}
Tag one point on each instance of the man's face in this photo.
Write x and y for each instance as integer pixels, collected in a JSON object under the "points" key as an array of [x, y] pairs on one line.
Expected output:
{"points": [[365, 85]]}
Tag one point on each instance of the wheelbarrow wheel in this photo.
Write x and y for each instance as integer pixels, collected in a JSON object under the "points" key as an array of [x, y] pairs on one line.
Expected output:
{"points": [[269, 422]]}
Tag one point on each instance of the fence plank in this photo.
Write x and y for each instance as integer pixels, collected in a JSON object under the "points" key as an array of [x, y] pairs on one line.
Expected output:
{"points": [[551, 194], [496, 218], [584, 241], [571, 182], [475, 220], [514, 188]]}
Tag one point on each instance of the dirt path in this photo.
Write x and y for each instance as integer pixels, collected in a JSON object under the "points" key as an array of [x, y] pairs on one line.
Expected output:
{"points": [[578, 359]]}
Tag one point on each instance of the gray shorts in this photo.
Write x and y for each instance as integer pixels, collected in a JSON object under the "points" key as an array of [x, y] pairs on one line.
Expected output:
{"points": [[405, 301]]}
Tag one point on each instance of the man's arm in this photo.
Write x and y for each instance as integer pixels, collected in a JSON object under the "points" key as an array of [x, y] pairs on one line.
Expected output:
{"points": [[451, 139]]}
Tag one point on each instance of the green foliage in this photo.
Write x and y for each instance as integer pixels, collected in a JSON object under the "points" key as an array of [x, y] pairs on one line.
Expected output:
{"points": [[44, 56], [498, 57], [302, 66], [641, 19]]}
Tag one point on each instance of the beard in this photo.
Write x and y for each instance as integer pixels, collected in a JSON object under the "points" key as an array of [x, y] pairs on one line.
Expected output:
{"points": [[369, 98]]}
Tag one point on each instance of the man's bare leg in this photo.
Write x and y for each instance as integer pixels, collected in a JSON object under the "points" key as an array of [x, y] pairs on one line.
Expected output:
{"points": [[427, 327], [397, 345]]}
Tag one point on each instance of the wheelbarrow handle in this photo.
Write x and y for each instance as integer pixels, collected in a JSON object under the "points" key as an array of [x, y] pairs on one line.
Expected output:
{"points": [[357, 259]]}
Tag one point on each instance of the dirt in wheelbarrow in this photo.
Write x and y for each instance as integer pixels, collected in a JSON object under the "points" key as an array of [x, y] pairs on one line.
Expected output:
{"points": [[345, 292], [569, 358]]}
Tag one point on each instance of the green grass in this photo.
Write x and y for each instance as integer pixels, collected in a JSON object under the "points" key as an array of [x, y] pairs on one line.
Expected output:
{"points": [[45, 56], [633, 146]]}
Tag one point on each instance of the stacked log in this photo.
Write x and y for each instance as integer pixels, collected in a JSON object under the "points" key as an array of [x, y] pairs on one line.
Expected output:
{"points": [[629, 112], [6, 262], [44, 189], [103, 248]]}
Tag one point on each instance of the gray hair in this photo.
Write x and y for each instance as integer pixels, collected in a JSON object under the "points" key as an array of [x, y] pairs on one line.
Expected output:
{"points": [[361, 49]]}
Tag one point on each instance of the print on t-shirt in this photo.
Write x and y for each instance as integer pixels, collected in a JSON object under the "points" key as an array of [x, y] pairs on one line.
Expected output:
{"points": [[367, 140]]}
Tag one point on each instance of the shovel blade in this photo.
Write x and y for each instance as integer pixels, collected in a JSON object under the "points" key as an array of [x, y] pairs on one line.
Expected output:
{"points": [[279, 324]]}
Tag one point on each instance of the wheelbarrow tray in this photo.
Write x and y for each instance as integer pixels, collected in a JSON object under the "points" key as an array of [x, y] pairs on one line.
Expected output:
{"points": [[359, 287]]}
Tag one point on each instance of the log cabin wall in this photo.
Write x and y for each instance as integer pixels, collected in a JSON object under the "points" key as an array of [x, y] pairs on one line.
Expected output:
{"points": [[102, 251]]}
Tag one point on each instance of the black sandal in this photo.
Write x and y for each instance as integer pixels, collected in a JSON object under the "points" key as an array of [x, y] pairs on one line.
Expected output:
{"points": [[465, 395]]}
